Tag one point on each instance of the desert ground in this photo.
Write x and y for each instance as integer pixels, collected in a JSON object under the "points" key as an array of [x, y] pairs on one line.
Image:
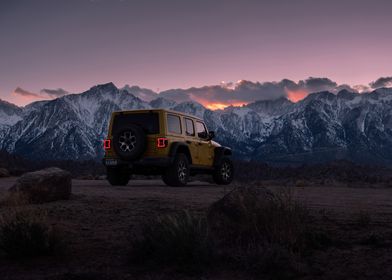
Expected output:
{"points": [[99, 220]]}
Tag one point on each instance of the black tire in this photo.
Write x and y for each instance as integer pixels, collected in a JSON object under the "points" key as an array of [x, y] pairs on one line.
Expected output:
{"points": [[129, 142], [117, 177], [224, 172], [177, 175]]}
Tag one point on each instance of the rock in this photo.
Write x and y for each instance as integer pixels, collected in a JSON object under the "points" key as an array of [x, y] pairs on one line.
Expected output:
{"points": [[237, 210], [4, 173], [42, 186]]}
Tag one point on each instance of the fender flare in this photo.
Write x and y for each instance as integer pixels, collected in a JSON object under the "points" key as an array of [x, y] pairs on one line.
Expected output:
{"points": [[175, 147], [220, 153]]}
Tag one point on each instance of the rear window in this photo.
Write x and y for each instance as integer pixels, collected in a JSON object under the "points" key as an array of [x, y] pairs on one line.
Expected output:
{"points": [[148, 121], [174, 124]]}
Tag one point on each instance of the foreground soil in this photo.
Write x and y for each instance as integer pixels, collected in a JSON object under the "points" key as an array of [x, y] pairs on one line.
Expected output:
{"points": [[99, 220]]}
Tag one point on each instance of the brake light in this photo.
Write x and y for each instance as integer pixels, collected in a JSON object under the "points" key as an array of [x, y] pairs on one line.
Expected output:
{"points": [[162, 142], [107, 144]]}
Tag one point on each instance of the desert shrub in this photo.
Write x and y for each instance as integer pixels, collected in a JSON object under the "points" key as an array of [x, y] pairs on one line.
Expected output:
{"points": [[26, 234], [283, 221], [269, 238], [14, 200], [278, 219], [181, 240]]}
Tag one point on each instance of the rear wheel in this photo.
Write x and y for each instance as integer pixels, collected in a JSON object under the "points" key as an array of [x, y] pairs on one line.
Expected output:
{"points": [[177, 174], [117, 177], [224, 172]]}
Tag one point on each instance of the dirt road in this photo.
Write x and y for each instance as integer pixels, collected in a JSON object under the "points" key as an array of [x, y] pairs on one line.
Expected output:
{"points": [[344, 200]]}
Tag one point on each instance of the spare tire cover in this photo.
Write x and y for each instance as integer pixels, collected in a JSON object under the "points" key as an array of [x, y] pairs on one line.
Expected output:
{"points": [[129, 142]]}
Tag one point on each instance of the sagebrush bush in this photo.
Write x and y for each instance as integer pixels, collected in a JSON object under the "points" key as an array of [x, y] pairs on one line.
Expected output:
{"points": [[181, 240], [25, 234], [250, 220], [284, 221], [270, 237]]}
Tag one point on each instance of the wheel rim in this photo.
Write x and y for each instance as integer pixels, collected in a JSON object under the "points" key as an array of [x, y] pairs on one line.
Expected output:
{"points": [[225, 171], [182, 170], [127, 141]]}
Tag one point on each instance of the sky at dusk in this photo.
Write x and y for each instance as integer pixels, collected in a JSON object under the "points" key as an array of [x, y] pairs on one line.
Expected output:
{"points": [[168, 44]]}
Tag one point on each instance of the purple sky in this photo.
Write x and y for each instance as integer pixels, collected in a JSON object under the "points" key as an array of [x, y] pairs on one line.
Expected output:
{"points": [[163, 44]]}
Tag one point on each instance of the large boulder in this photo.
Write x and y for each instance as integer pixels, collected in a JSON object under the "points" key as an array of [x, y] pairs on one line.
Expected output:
{"points": [[46, 185], [4, 173], [236, 212]]}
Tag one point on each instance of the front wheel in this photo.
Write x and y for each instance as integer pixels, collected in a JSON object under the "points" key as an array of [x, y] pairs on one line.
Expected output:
{"points": [[224, 172], [117, 177], [177, 174]]}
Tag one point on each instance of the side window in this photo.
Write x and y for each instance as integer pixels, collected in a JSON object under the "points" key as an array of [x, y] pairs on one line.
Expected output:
{"points": [[201, 130], [174, 124], [189, 128]]}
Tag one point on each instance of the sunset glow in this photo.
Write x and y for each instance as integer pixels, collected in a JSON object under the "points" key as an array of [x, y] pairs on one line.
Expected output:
{"points": [[221, 106], [22, 100], [296, 95]]}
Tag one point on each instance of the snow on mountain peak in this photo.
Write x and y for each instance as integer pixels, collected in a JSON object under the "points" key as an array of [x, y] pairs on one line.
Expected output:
{"points": [[322, 126]]}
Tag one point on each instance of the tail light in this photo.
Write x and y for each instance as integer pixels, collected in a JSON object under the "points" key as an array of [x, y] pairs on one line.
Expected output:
{"points": [[107, 144], [162, 142]]}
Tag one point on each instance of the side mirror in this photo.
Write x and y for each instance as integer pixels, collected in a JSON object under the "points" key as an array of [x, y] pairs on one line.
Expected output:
{"points": [[202, 135], [211, 135]]}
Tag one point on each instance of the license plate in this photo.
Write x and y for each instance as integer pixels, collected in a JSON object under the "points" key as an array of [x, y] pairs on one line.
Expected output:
{"points": [[111, 162]]}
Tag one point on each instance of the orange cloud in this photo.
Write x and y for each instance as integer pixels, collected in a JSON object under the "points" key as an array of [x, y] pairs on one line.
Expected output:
{"points": [[221, 106], [296, 95]]}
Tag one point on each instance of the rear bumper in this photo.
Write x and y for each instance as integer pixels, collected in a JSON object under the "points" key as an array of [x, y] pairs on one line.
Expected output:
{"points": [[144, 162]]}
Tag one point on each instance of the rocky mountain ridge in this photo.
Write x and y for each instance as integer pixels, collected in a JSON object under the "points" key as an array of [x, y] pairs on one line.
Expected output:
{"points": [[323, 126]]}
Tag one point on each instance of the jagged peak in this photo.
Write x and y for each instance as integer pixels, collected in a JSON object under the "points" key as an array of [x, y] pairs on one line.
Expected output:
{"points": [[106, 87], [346, 94], [191, 103], [162, 102], [320, 94], [9, 104], [278, 100], [383, 90]]}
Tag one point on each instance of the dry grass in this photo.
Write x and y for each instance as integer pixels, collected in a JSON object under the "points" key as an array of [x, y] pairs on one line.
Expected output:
{"points": [[14, 200], [270, 241], [25, 233], [181, 240]]}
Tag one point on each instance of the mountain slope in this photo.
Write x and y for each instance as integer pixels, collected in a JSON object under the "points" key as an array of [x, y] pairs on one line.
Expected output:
{"points": [[321, 127], [9, 113], [70, 127]]}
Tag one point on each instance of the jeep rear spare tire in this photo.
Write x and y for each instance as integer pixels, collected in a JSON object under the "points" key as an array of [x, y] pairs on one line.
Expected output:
{"points": [[129, 142]]}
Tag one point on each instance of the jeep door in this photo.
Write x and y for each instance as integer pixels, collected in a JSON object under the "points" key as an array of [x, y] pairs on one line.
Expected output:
{"points": [[205, 150], [191, 140]]}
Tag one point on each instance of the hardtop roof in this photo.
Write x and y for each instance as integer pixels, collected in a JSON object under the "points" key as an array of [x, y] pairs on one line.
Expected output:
{"points": [[158, 110]]}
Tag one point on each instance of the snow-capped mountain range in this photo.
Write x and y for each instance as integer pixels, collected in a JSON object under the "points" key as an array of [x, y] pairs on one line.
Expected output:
{"points": [[323, 126]]}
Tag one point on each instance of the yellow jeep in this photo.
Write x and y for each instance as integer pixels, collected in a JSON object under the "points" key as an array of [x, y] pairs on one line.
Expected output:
{"points": [[162, 142]]}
